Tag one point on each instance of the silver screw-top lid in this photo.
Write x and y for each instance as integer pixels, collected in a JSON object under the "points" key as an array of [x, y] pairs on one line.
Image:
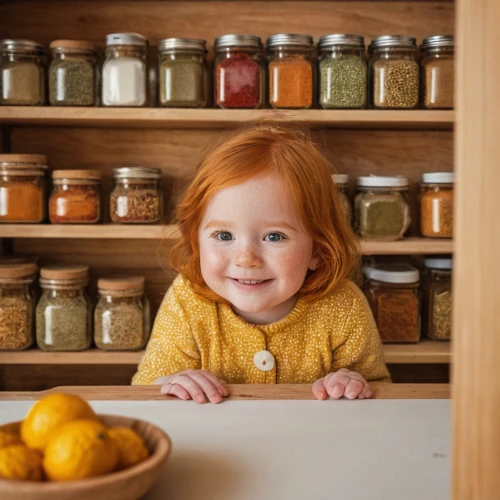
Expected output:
{"points": [[290, 40], [327, 41], [195, 44], [432, 42], [392, 273], [238, 41], [439, 263], [136, 173], [438, 177], [387, 41], [24, 45], [126, 39], [383, 181]]}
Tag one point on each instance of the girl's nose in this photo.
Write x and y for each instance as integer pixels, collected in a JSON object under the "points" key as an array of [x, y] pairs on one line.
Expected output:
{"points": [[247, 257]]}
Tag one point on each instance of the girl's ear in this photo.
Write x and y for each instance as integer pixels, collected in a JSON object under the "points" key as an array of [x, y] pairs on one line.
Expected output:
{"points": [[313, 264]]}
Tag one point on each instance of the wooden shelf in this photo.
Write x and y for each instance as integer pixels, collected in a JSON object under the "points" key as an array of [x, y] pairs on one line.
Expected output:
{"points": [[217, 118], [426, 351]]}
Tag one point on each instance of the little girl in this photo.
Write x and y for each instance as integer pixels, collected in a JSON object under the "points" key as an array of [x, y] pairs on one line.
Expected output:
{"points": [[263, 294]]}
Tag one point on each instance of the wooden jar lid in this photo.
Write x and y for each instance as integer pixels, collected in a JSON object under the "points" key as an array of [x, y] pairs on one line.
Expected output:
{"points": [[74, 44], [17, 270], [64, 272], [118, 283], [32, 159], [77, 174]]}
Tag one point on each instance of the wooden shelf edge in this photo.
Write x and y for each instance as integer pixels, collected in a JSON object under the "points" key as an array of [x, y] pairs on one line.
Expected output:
{"points": [[425, 352]]}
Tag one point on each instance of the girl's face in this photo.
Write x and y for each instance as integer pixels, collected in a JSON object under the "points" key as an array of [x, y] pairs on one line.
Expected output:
{"points": [[254, 250]]}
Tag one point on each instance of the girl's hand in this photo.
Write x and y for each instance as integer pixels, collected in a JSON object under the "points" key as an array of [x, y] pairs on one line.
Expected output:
{"points": [[193, 384], [342, 383]]}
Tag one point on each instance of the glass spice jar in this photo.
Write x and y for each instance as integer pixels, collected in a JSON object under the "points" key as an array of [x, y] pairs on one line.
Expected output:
{"points": [[63, 313], [341, 182], [17, 305], [73, 73], [343, 74], [438, 71], [238, 72], [394, 72], [436, 204], [381, 208], [125, 71], [291, 71], [22, 188], [437, 298], [136, 196], [22, 73], [182, 73], [75, 197], [392, 292]]}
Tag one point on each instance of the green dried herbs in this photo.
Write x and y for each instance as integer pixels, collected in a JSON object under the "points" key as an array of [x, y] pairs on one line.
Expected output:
{"points": [[72, 82], [441, 312], [22, 83]]}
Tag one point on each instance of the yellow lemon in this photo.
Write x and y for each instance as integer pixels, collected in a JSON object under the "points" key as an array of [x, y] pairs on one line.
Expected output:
{"points": [[8, 439], [20, 462], [131, 447]]}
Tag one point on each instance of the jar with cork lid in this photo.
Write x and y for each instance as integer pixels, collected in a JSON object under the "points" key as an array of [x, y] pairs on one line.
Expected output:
{"points": [[436, 204]]}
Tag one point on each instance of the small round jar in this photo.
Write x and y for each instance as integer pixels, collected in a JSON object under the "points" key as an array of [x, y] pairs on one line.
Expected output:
{"points": [[120, 319], [73, 73], [394, 72], [125, 71], [238, 72], [436, 204], [438, 71], [341, 182], [136, 197], [343, 73], [437, 304], [75, 197], [291, 62], [381, 208], [393, 294], [22, 73], [22, 188], [182, 73], [63, 313], [17, 305]]}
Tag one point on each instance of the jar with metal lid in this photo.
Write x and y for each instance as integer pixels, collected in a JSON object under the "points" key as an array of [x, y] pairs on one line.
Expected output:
{"points": [[22, 73], [341, 182], [291, 63], [394, 72], [239, 72], [343, 74], [437, 298], [183, 73], [436, 204], [73, 73], [22, 188], [393, 294], [17, 305], [75, 197], [381, 208], [63, 313], [125, 71], [137, 196], [438, 71], [120, 318]]}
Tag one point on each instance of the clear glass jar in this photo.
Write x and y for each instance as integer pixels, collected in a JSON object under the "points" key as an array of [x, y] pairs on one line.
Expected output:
{"points": [[75, 197], [291, 62], [182, 73], [22, 73], [437, 298], [73, 73], [343, 74], [22, 188], [17, 305], [63, 313], [393, 294], [136, 197], [381, 208], [238, 72], [394, 72], [341, 182], [125, 71], [438, 71], [436, 204]]}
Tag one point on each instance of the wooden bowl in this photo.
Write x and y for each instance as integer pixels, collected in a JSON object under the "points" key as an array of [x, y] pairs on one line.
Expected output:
{"points": [[128, 484]]}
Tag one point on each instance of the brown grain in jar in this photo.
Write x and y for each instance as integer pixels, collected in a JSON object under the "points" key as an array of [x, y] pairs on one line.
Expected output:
{"points": [[436, 204]]}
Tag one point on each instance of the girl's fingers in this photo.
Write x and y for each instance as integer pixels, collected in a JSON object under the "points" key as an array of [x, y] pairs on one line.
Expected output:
{"points": [[190, 386], [175, 390], [162, 380], [206, 385], [216, 382], [353, 389], [318, 389], [336, 384]]}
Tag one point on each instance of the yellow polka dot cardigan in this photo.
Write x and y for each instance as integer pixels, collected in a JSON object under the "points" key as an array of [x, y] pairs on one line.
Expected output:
{"points": [[314, 339]]}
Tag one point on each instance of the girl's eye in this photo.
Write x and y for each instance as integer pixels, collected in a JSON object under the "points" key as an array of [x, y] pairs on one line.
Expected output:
{"points": [[223, 236], [274, 237]]}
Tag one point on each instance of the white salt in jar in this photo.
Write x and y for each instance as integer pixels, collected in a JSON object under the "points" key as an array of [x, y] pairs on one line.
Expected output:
{"points": [[124, 72]]}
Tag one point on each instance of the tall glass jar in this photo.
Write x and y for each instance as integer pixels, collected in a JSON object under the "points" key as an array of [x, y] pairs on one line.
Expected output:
{"points": [[125, 71], [63, 313], [341, 182], [182, 73], [75, 197], [17, 305], [73, 73], [393, 295], [436, 204], [437, 298], [22, 188], [291, 62], [394, 72], [438, 71], [22, 73], [343, 74], [381, 208], [137, 197], [238, 72]]}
